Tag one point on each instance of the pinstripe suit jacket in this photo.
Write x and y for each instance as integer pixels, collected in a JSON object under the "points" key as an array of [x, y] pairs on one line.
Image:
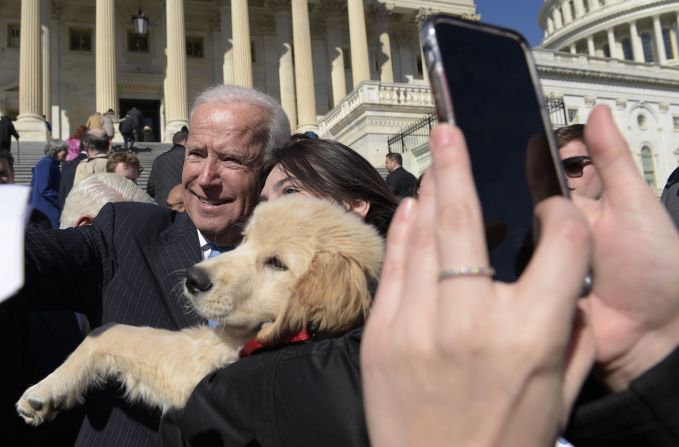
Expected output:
{"points": [[125, 268]]}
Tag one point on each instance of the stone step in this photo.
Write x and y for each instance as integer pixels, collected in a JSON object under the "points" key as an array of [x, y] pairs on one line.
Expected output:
{"points": [[27, 154]]}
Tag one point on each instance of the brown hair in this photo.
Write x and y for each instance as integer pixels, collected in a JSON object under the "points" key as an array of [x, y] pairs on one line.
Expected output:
{"points": [[123, 157], [337, 172], [565, 135], [79, 133]]}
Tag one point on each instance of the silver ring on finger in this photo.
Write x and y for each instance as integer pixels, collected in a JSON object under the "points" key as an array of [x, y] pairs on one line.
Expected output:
{"points": [[466, 271]]}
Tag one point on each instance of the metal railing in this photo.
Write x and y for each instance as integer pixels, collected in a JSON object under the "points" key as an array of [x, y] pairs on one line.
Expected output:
{"points": [[557, 111], [417, 133], [413, 136]]}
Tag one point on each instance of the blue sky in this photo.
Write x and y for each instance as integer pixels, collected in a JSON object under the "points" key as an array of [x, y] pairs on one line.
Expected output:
{"points": [[521, 15]]}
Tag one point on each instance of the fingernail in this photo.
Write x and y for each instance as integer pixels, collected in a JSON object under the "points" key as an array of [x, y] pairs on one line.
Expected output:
{"points": [[441, 135]]}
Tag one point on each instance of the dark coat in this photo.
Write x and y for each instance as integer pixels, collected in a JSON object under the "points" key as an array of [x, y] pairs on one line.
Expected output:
{"points": [[7, 131], [166, 173], [645, 414], [670, 196], [123, 268], [45, 188], [303, 395], [67, 175], [401, 183]]}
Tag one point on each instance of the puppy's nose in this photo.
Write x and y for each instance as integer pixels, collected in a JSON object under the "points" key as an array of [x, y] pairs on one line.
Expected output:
{"points": [[197, 280]]}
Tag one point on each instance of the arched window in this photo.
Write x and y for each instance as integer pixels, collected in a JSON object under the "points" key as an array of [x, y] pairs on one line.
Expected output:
{"points": [[647, 46], [667, 41], [627, 48], [647, 165]]}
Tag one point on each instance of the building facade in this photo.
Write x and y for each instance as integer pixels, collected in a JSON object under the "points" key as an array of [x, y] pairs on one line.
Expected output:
{"points": [[66, 59]]}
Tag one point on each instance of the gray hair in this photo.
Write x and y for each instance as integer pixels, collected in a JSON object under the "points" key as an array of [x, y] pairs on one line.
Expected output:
{"points": [[278, 125], [90, 195], [53, 147], [97, 140]]}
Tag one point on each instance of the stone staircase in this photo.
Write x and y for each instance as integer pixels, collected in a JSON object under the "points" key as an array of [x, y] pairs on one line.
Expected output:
{"points": [[28, 154]]}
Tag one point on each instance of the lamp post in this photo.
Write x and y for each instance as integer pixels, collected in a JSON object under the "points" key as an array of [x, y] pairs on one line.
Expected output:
{"points": [[140, 23]]}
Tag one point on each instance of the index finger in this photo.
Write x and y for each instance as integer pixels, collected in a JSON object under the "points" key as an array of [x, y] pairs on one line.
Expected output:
{"points": [[612, 158]]}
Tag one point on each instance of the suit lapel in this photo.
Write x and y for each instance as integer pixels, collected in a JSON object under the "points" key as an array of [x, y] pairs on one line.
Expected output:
{"points": [[175, 249]]}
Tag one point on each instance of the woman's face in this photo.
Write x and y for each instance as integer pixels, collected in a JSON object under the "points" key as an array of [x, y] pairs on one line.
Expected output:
{"points": [[279, 184]]}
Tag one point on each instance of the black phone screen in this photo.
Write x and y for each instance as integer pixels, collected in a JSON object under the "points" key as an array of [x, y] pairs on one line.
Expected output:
{"points": [[495, 104]]}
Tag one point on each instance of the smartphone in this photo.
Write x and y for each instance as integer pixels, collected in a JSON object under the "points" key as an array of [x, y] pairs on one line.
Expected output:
{"points": [[485, 82]]}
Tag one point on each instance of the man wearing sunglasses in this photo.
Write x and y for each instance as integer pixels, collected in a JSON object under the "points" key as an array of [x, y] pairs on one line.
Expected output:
{"points": [[581, 175]]}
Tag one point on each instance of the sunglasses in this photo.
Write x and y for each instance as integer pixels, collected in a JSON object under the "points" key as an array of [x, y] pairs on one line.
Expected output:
{"points": [[573, 166]]}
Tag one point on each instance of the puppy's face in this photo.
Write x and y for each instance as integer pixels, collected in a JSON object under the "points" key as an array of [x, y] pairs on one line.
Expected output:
{"points": [[303, 262]]}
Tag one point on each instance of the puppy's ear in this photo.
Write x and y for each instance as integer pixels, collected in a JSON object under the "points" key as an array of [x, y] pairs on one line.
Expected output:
{"points": [[332, 296]]}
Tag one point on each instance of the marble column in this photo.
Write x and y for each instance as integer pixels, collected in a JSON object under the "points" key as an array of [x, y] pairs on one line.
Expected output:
{"points": [[556, 15], [381, 13], [286, 66], [566, 10], [105, 54], [360, 68], [610, 32], [573, 49], [659, 41], [176, 104], [333, 10], [637, 51], [227, 44], [579, 8], [46, 78], [30, 124], [304, 75], [590, 46], [550, 25], [420, 17], [242, 53]]}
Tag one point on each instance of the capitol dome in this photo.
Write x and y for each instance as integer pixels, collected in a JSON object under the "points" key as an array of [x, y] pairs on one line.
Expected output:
{"points": [[635, 30]]}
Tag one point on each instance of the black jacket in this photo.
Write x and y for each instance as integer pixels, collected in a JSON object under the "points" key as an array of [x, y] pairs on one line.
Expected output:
{"points": [[166, 173], [401, 183], [7, 131], [301, 395], [647, 413], [124, 268], [67, 175]]}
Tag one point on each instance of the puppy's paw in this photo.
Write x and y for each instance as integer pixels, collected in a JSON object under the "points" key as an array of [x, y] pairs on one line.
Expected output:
{"points": [[38, 405]]}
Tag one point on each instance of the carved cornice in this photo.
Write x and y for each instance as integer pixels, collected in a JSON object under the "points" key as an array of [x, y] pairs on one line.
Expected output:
{"points": [[590, 101], [471, 16], [620, 103], [422, 15]]}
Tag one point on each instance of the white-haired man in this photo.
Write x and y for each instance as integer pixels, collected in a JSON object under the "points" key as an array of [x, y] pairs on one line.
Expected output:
{"points": [[126, 266], [88, 197]]}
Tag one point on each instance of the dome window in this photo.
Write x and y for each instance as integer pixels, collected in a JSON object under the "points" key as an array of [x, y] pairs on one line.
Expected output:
{"points": [[647, 46], [647, 165], [642, 121], [627, 48]]}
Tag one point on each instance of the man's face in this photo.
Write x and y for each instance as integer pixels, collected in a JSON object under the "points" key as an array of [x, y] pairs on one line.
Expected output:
{"points": [[389, 164], [127, 170], [6, 175], [589, 184], [223, 158]]}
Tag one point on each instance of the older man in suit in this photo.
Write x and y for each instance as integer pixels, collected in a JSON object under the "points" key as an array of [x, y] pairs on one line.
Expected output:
{"points": [[126, 267]]}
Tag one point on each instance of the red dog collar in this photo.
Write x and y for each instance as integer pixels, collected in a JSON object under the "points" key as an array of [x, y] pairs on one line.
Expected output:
{"points": [[253, 345]]}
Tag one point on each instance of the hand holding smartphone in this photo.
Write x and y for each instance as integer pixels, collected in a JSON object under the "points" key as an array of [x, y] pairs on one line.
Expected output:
{"points": [[485, 82]]}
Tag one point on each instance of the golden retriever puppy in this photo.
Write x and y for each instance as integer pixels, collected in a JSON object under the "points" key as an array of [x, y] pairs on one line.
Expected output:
{"points": [[304, 263]]}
